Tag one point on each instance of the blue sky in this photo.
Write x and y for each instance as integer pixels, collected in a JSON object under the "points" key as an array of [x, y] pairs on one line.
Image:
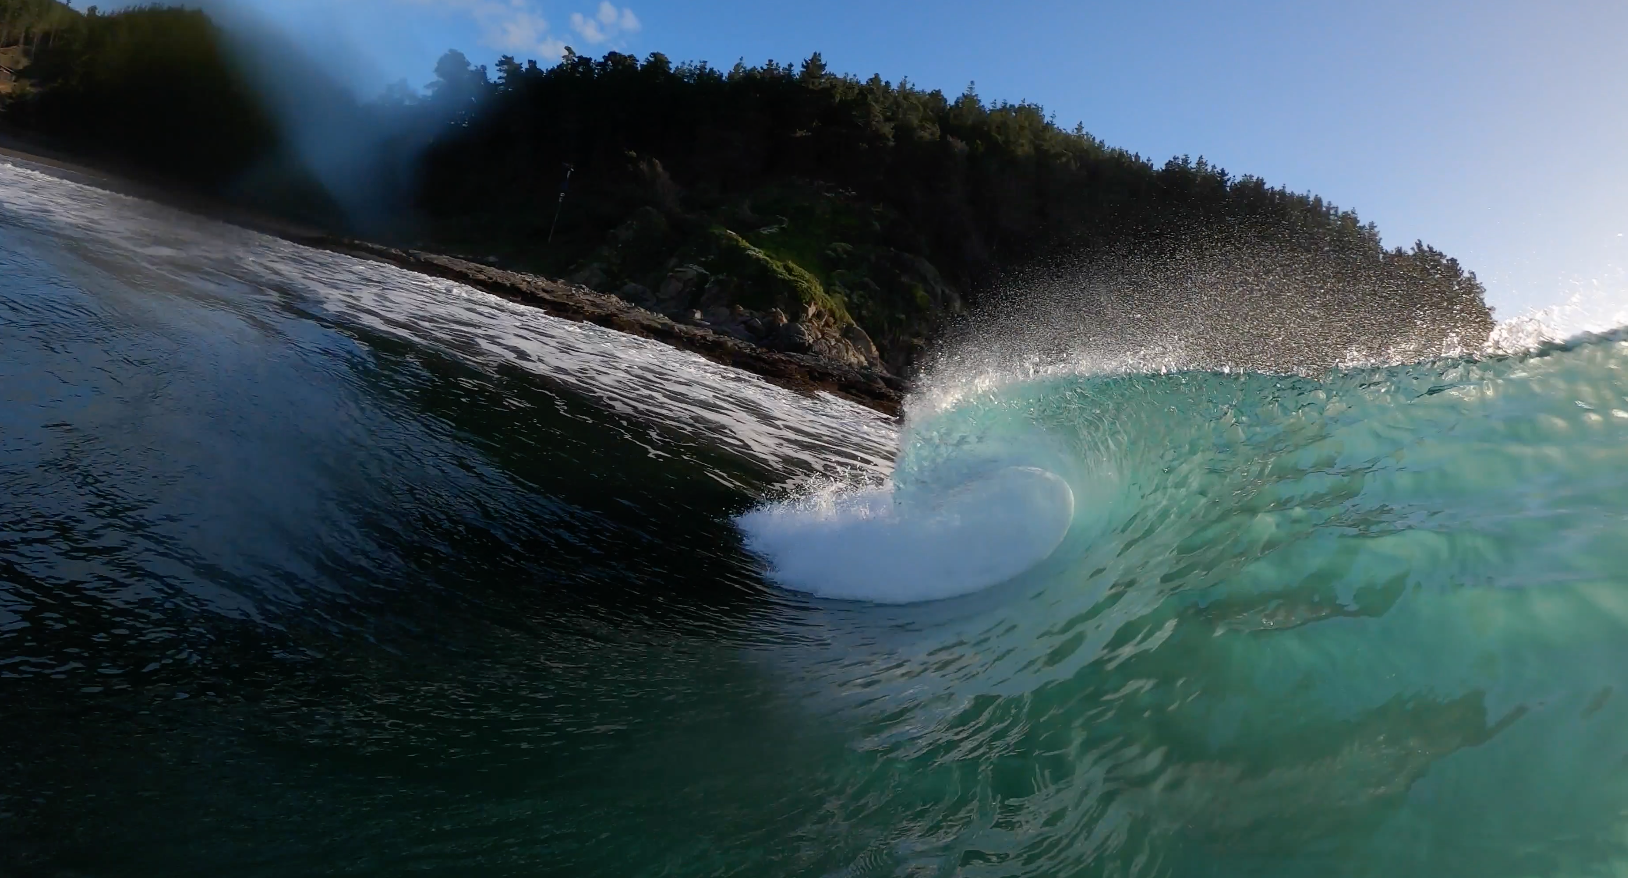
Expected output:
{"points": [[1496, 130]]}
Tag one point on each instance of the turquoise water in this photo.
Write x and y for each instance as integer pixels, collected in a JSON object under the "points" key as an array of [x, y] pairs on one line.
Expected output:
{"points": [[1371, 624], [312, 566]]}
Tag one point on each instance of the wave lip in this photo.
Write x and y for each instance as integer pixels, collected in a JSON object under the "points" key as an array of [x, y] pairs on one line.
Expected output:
{"points": [[885, 545]]}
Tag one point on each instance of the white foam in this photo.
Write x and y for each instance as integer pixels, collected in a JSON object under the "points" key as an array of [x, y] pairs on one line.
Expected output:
{"points": [[1600, 306], [887, 546], [648, 379]]}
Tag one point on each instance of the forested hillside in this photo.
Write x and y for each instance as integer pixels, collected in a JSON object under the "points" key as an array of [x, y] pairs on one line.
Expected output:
{"points": [[783, 203], [152, 86], [32, 23]]}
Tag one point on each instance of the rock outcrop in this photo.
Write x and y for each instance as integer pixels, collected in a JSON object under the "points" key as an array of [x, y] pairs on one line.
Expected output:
{"points": [[734, 288], [793, 296]]}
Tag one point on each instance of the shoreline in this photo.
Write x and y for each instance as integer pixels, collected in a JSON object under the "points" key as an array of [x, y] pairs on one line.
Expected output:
{"points": [[802, 373]]}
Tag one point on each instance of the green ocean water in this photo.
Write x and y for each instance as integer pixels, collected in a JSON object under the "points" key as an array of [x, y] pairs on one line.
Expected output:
{"points": [[310, 566]]}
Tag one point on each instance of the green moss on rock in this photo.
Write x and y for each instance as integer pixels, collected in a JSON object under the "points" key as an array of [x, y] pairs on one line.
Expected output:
{"points": [[762, 281]]}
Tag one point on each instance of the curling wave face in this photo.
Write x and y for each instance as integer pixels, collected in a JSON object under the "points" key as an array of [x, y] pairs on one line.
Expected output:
{"points": [[1187, 465], [1368, 624]]}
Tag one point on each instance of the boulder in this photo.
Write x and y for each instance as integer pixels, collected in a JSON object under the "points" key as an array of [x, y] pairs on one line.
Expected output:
{"points": [[678, 290], [863, 346], [793, 338], [638, 294]]}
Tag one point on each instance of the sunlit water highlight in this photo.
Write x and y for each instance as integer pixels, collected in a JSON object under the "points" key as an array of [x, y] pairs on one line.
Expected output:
{"points": [[314, 566]]}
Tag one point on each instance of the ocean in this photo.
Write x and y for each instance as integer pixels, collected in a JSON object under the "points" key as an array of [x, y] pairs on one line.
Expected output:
{"points": [[314, 566]]}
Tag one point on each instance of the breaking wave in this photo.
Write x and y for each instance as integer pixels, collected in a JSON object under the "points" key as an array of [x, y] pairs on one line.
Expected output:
{"points": [[995, 475]]}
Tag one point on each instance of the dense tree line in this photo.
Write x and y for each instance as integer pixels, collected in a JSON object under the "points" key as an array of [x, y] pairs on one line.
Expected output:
{"points": [[797, 159], [32, 23], [884, 204], [151, 86]]}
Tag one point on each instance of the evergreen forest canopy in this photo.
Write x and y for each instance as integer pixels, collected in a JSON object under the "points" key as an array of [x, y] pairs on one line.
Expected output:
{"points": [[862, 203]]}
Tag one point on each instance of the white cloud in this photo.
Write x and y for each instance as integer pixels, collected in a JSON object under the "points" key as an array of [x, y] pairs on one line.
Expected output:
{"points": [[606, 25], [588, 28], [520, 30], [516, 26]]}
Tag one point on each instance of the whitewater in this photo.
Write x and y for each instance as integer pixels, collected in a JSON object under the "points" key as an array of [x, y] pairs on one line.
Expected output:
{"points": [[313, 565]]}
